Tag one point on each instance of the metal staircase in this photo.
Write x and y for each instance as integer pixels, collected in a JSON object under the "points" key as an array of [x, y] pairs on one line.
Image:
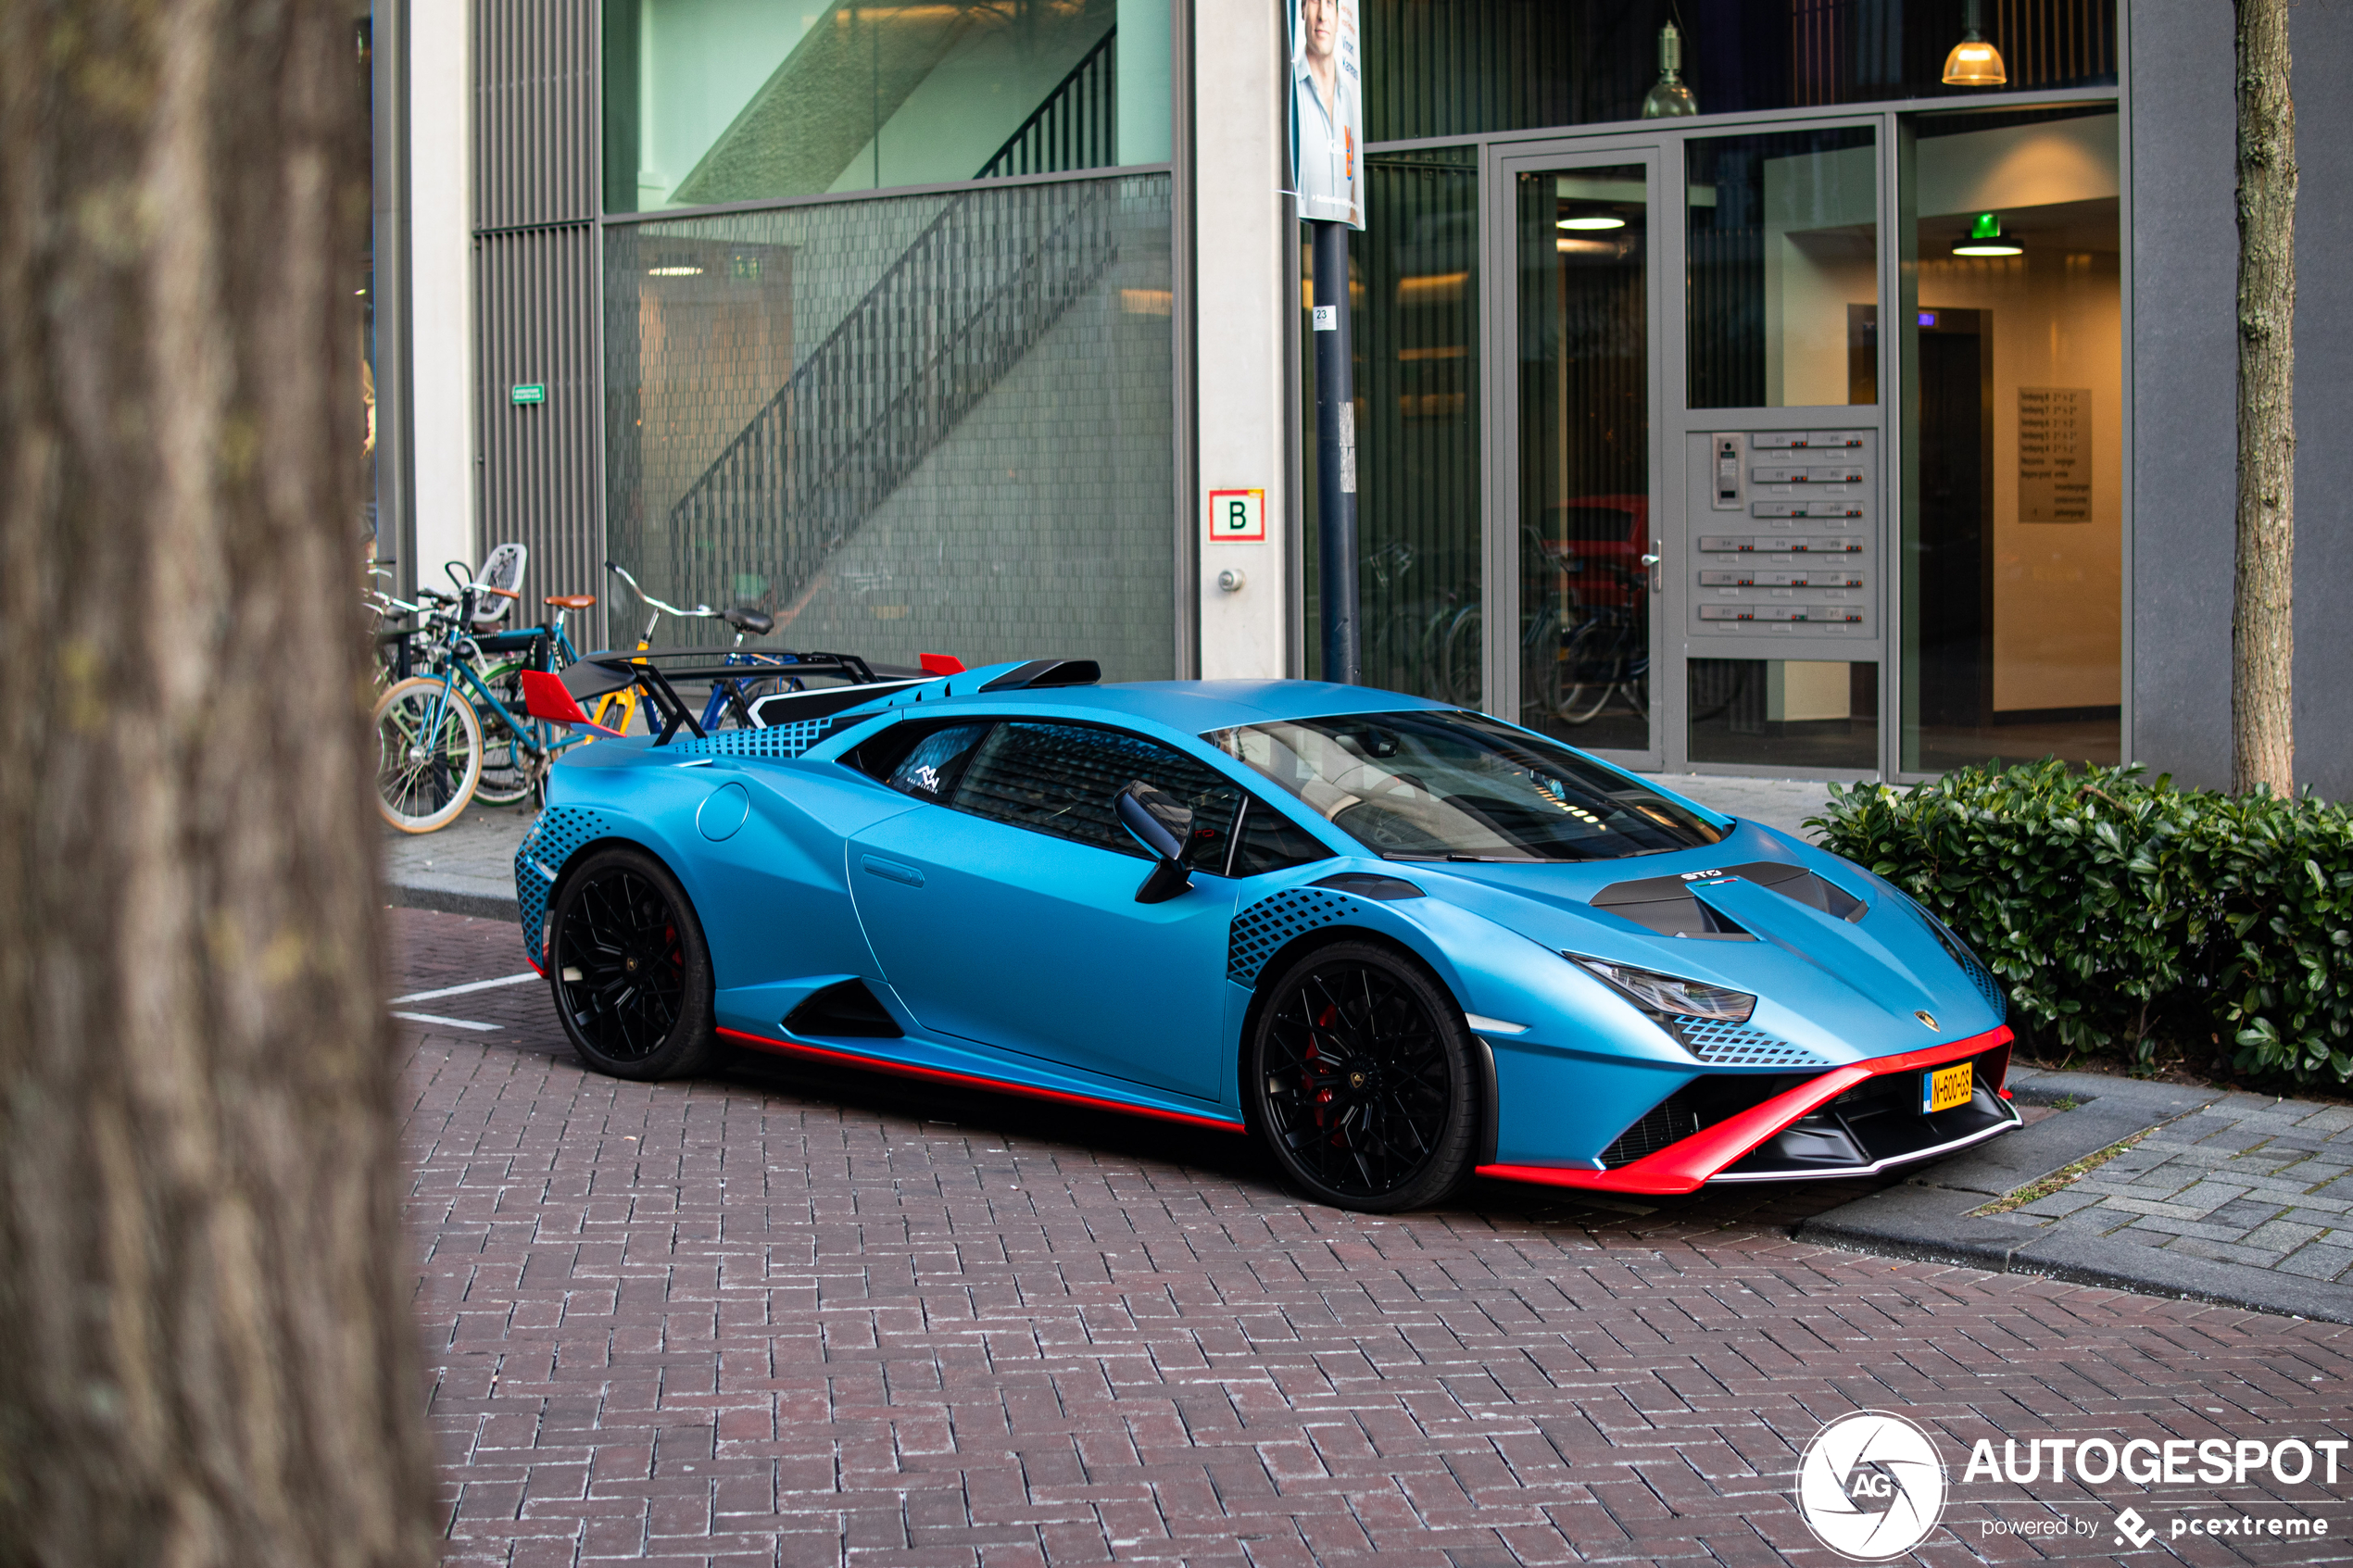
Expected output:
{"points": [[973, 293]]}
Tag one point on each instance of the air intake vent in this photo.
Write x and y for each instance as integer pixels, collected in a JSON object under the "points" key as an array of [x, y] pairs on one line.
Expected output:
{"points": [[847, 1011]]}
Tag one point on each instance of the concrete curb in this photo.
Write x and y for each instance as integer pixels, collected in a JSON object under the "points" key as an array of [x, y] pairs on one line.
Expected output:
{"points": [[1928, 1217], [451, 900]]}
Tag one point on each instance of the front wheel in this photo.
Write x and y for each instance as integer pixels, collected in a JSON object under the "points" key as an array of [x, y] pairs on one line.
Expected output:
{"points": [[1358, 1076], [428, 753], [630, 969]]}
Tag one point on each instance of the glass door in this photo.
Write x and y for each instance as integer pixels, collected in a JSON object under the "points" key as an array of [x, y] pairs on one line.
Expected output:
{"points": [[1571, 640]]}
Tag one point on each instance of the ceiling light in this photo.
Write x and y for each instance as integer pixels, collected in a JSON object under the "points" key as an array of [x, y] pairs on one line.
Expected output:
{"points": [[1974, 62], [1985, 238], [1592, 221], [1669, 99], [674, 272]]}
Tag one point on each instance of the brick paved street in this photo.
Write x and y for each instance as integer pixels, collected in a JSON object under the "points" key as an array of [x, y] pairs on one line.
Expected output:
{"points": [[782, 1316], [2247, 1180]]}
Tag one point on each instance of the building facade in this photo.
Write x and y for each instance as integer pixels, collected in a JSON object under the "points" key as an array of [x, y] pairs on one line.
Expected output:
{"points": [[1849, 424]]}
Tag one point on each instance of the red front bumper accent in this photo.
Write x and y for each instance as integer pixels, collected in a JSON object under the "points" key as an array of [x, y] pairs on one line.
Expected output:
{"points": [[1681, 1167]]}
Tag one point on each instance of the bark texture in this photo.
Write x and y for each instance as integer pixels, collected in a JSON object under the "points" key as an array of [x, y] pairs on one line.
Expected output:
{"points": [[2262, 610], [206, 1355]]}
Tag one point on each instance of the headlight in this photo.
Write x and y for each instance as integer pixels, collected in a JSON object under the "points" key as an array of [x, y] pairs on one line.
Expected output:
{"points": [[1665, 993]]}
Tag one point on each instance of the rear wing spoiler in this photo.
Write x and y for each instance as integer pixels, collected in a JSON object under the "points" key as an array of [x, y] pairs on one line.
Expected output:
{"points": [[562, 699]]}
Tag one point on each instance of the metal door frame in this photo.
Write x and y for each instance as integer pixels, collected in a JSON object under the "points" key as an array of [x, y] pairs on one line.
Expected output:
{"points": [[1499, 325]]}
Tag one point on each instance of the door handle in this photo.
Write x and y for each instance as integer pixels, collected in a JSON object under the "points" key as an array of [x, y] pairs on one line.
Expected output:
{"points": [[891, 871], [1658, 578]]}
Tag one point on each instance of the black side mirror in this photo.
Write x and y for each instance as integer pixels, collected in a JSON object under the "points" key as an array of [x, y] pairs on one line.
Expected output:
{"points": [[1151, 825]]}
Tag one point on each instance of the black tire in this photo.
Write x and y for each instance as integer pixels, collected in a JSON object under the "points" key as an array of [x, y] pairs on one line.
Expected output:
{"points": [[630, 969], [1357, 1075]]}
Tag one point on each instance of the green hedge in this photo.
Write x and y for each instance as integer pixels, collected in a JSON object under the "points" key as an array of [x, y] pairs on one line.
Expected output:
{"points": [[2124, 914]]}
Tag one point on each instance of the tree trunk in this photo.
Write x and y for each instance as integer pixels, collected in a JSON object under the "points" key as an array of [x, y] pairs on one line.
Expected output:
{"points": [[206, 1355], [2262, 610]]}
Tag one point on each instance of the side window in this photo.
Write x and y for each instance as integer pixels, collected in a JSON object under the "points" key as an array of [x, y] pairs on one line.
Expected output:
{"points": [[1061, 779], [1269, 842], [933, 763]]}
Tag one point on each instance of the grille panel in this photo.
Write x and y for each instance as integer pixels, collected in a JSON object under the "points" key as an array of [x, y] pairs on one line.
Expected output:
{"points": [[778, 741], [1260, 932], [1719, 1043], [1671, 1121], [558, 835]]}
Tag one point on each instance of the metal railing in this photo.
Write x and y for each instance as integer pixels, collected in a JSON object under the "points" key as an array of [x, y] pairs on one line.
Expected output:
{"points": [[967, 300], [1077, 127]]}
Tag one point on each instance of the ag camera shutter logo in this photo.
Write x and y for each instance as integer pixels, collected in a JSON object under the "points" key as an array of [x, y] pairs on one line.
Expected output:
{"points": [[1870, 1485]]}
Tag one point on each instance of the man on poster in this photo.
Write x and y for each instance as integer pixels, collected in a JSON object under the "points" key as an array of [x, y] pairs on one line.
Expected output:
{"points": [[1328, 111]]}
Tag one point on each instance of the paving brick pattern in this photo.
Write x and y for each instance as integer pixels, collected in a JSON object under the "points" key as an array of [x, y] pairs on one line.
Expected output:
{"points": [[780, 1317], [2250, 1180]]}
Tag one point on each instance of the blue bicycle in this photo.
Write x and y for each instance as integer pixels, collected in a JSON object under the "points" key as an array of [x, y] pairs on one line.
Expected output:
{"points": [[431, 759]]}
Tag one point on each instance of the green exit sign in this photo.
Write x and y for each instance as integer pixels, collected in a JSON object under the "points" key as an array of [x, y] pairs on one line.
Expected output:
{"points": [[527, 392]]}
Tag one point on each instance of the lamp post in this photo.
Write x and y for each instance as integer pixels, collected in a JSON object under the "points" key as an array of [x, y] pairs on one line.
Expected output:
{"points": [[1336, 457]]}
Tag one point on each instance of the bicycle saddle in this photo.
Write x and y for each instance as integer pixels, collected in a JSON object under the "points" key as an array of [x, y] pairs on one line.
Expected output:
{"points": [[757, 622], [570, 601]]}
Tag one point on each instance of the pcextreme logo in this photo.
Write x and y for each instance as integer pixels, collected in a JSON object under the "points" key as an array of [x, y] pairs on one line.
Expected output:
{"points": [[1870, 1485]]}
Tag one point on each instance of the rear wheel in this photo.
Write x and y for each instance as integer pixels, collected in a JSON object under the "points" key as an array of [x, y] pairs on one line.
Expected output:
{"points": [[428, 753], [629, 967], [1358, 1076]]}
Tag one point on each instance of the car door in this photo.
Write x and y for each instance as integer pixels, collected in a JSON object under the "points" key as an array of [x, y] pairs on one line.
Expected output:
{"points": [[1006, 912]]}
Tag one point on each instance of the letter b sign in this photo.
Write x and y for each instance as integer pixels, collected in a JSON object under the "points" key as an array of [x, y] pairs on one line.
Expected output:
{"points": [[1238, 517]]}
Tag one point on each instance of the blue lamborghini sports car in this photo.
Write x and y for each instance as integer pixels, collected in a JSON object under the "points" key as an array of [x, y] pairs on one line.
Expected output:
{"points": [[1397, 941]]}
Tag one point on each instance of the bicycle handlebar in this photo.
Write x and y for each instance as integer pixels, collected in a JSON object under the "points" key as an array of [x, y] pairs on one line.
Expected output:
{"points": [[701, 611]]}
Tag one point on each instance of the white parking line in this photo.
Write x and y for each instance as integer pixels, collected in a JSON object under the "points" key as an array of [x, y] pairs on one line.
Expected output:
{"points": [[461, 990], [444, 1022]]}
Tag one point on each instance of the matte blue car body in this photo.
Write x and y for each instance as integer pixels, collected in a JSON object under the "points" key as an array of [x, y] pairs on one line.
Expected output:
{"points": [[1014, 958]]}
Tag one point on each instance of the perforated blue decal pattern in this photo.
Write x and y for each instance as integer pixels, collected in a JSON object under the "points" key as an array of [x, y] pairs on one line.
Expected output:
{"points": [[777, 740], [1258, 932], [553, 839], [1719, 1043]]}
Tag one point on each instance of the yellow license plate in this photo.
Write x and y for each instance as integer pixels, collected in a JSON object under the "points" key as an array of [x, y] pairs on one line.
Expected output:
{"points": [[1942, 1088]]}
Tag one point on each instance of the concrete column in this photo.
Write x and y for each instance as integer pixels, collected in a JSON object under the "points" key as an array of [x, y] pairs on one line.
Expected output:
{"points": [[1243, 303], [441, 287]]}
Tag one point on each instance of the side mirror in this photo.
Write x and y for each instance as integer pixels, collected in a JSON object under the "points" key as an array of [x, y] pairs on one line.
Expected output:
{"points": [[1158, 827]]}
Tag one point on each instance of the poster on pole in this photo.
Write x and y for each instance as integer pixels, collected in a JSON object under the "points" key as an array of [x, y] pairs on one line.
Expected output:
{"points": [[1327, 111]]}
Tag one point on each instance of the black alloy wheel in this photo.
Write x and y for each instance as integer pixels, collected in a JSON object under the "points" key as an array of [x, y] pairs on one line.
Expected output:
{"points": [[1359, 1078], [629, 967]]}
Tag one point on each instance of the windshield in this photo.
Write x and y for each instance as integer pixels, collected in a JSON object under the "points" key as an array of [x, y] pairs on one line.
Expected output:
{"points": [[1460, 787]]}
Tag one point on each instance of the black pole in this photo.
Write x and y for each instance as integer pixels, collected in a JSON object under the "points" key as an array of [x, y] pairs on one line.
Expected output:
{"points": [[1336, 457]]}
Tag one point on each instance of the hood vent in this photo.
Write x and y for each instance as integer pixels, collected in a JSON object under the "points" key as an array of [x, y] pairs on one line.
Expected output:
{"points": [[1669, 906]]}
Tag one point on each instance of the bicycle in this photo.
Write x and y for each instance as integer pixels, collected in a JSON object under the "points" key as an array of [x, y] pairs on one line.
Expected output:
{"points": [[730, 700], [429, 728]]}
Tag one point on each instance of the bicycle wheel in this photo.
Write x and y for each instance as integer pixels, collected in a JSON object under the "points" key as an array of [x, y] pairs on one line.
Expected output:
{"points": [[1458, 658], [428, 753], [1593, 664], [506, 755]]}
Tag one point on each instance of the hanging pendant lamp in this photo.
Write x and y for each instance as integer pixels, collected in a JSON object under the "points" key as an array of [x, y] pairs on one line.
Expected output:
{"points": [[1985, 238], [1974, 62], [1669, 99]]}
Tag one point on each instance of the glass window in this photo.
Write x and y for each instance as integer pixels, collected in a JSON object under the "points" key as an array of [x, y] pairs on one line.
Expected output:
{"points": [[1783, 258], [930, 769], [1460, 787], [1415, 307], [711, 101], [1785, 713], [2013, 557], [1458, 68], [780, 431], [1584, 455], [1268, 841], [1062, 777]]}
